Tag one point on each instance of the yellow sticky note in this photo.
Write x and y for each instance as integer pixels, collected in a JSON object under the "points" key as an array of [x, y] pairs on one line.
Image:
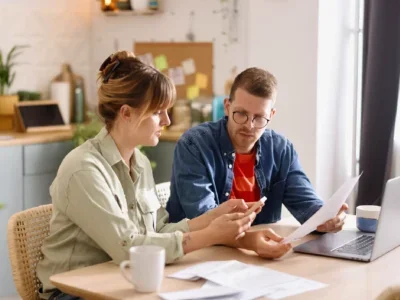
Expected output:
{"points": [[192, 92], [201, 80], [161, 62]]}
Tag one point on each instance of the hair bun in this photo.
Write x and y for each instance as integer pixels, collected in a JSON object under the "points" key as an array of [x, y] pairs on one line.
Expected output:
{"points": [[121, 55]]}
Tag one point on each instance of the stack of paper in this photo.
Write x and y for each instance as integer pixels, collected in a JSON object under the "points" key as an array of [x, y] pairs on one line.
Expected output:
{"points": [[235, 280]]}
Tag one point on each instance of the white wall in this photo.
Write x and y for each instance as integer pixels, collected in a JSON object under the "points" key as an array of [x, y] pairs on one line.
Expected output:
{"points": [[57, 32], [283, 39], [110, 33]]}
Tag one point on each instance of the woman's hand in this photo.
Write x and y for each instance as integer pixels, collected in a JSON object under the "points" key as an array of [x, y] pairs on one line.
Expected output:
{"points": [[228, 227]]}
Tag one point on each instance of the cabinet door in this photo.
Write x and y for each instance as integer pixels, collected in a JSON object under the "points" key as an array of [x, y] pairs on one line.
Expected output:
{"points": [[11, 197], [45, 158], [162, 155], [36, 189]]}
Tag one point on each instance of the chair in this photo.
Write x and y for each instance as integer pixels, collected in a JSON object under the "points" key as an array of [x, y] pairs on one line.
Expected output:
{"points": [[390, 293], [26, 232], [163, 192]]}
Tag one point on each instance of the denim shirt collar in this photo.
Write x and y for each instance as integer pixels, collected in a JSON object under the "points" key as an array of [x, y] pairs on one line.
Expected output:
{"points": [[225, 142]]}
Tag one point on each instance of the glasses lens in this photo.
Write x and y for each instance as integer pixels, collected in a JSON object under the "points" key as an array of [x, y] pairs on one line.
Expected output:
{"points": [[239, 117], [260, 122]]}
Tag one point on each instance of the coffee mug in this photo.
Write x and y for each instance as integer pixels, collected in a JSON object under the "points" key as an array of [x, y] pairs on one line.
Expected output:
{"points": [[367, 217], [145, 269]]}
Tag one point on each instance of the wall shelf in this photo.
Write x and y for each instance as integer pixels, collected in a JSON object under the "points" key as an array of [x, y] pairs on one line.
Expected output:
{"points": [[132, 13]]}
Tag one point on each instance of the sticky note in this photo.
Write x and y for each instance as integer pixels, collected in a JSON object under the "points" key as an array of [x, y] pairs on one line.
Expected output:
{"points": [[201, 80], [146, 58], [161, 62], [192, 92], [177, 76], [189, 66]]}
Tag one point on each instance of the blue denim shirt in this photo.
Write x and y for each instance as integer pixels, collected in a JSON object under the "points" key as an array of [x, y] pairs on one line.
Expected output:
{"points": [[202, 175]]}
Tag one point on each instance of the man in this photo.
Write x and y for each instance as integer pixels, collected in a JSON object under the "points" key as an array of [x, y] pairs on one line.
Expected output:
{"points": [[237, 157]]}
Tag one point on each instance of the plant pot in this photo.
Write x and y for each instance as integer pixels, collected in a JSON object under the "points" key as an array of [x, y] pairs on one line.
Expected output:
{"points": [[7, 111], [7, 104], [6, 123]]}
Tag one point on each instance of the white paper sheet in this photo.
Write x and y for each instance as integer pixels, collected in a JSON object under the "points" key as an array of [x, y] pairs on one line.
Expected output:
{"points": [[192, 273], [326, 212], [280, 291], [210, 293], [252, 281]]}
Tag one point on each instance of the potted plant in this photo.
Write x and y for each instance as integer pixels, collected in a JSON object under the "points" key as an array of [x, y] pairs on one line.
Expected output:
{"points": [[7, 76]]}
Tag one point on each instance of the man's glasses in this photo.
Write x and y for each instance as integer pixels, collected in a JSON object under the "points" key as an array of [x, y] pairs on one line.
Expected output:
{"points": [[241, 117]]}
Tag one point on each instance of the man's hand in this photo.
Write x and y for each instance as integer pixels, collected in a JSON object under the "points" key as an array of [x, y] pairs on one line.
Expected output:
{"points": [[265, 243], [335, 224]]}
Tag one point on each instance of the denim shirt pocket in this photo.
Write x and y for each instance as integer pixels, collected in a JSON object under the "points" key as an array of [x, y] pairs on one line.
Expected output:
{"points": [[148, 204]]}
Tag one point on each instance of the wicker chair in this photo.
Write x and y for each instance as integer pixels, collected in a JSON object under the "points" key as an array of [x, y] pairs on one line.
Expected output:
{"points": [[163, 192], [390, 293], [26, 232]]}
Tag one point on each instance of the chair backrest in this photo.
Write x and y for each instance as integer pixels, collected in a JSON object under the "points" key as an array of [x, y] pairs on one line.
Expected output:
{"points": [[163, 192], [390, 293], [26, 232]]}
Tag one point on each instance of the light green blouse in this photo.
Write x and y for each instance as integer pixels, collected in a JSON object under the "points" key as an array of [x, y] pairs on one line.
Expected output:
{"points": [[99, 211]]}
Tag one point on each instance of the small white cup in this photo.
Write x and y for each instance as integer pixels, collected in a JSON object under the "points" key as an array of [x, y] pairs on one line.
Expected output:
{"points": [[146, 266]]}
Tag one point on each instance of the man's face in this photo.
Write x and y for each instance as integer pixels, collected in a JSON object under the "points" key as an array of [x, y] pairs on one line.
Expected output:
{"points": [[257, 110]]}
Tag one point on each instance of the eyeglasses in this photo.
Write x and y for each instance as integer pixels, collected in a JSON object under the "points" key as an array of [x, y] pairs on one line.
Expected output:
{"points": [[241, 117]]}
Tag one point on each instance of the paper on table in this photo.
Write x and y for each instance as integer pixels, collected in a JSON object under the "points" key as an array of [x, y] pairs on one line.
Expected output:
{"points": [[328, 211], [279, 291], [239, 275], [210, 293], [192, 273]]}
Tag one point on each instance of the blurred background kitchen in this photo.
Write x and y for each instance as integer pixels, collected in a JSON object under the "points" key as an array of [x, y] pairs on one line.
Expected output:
{"points": [[316, 49]]}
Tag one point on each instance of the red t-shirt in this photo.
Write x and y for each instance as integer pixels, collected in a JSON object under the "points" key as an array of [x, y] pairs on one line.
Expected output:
{"points": [[244, 182]]}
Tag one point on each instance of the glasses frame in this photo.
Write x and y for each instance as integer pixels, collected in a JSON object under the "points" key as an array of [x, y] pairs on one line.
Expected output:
{"points": [[247, 118]]}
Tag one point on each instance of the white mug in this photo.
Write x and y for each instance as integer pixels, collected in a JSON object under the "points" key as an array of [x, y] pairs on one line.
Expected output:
{"points": [[146, 266]]}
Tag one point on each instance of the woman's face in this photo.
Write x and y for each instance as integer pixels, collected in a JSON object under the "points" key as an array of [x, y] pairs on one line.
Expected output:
{"points": [[148, 131]]}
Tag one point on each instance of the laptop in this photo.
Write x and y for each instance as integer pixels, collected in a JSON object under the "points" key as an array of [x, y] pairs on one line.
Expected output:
{"points": [[360, 246]]}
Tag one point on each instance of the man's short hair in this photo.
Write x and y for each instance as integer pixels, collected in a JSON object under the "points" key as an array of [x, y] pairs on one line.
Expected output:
{"points": [[255, 81]]}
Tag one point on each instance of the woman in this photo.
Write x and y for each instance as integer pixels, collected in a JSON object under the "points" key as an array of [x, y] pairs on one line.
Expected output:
{"points": [[104, 198]]}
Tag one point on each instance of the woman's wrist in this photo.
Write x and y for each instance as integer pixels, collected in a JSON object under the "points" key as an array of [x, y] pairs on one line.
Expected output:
{"points": [[201, 222]]}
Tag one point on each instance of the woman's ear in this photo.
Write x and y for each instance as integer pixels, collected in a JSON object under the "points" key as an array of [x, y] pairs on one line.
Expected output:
{"points": [[126, 113]]}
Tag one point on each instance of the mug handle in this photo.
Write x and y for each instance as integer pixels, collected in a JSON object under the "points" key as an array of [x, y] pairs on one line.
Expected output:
{"points": [[124, 265]]}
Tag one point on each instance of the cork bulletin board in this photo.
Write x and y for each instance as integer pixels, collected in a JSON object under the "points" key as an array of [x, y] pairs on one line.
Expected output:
{"points": [[189, 65]]}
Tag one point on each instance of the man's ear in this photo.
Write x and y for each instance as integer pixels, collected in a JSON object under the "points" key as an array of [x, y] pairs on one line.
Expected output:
{"points": [[273, 112], [227, 103]]}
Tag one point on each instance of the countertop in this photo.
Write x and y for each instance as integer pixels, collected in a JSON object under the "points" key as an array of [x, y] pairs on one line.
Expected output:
{"points": [[12, 138]]}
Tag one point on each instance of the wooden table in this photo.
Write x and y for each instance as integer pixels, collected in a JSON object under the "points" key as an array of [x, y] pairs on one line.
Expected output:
{"points": [[346, 279]]}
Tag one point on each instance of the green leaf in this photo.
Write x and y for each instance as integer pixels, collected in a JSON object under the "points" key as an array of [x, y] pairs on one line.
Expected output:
{"points": [[10, 82], [10, 54], [1, 60]]}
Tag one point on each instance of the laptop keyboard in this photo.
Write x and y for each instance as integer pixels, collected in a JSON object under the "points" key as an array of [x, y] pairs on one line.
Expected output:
{"points": [[362, 245]]}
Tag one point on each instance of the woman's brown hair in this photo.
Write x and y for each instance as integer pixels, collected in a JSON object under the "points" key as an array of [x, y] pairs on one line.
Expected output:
{"points": [[124, 79]]}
